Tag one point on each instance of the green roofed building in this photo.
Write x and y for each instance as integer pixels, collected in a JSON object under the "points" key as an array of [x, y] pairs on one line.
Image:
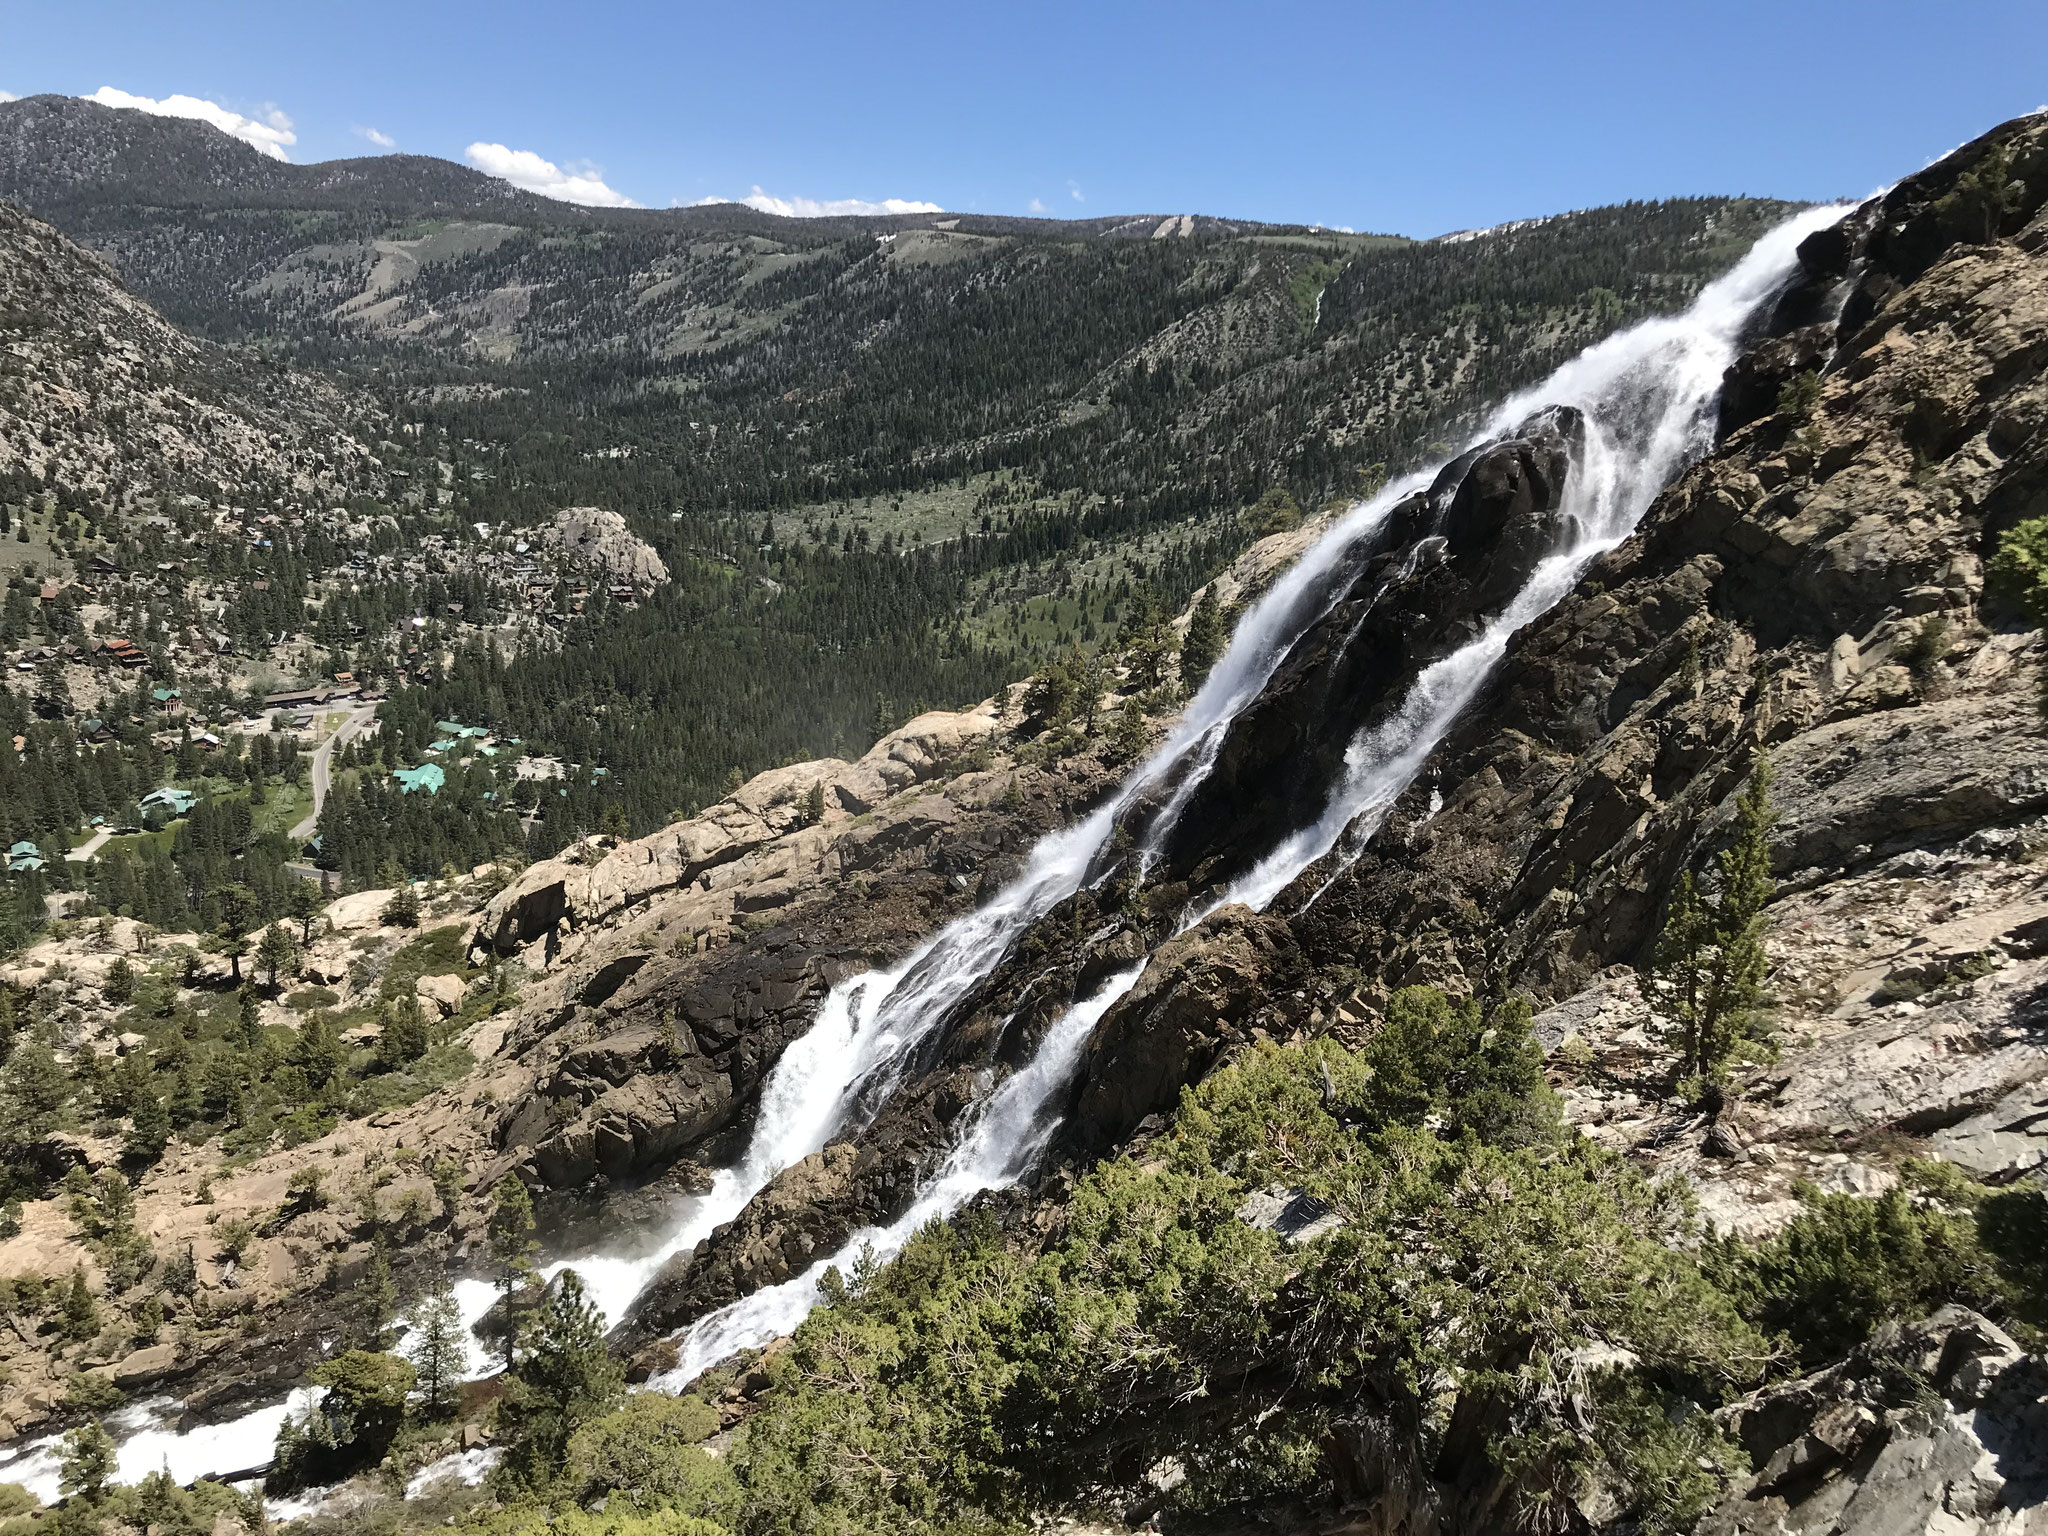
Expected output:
{"points": [[428, 776], [173, 802]]}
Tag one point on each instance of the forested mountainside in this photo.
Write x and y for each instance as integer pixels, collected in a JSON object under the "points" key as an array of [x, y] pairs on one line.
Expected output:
{"points": [[124, 414], [888, 463]]}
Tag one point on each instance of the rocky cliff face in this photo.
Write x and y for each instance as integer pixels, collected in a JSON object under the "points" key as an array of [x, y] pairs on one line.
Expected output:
{"points": [[1811, 592], [1444, 557], [1940, 1426]]}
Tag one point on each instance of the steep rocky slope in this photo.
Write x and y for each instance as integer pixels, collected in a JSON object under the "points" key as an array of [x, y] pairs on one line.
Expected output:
{"points": [[1810, 593], [102, 396], [656, 982]]}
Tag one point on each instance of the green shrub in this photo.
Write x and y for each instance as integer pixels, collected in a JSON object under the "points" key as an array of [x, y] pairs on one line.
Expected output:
{"points": [[352, 1427], [1928, 644], [1847, 1264], [1801, 393], [1493, 1273], [1438, 1057], [535, 1519], [86, 1392], [2012, 1226], [648, 1455], [2019, 569], [1275, 512]]}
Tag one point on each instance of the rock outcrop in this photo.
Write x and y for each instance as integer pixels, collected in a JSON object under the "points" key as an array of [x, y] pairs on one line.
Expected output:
{"points": [[601, 538], [1442, 560], [1185, 1009], [675, 968], [1940, 1426]]}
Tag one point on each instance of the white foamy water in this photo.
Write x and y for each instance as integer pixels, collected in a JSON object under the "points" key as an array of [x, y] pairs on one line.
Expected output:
{"points": [[1648, 396], [148, 1445], [1006, 1133]]}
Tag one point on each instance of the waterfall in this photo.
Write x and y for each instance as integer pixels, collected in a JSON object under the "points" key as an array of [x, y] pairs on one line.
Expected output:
{"points": [[1648, 395]]}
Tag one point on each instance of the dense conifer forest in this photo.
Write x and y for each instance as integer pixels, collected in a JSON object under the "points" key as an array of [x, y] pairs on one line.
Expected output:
{"points": [[888, 463]]}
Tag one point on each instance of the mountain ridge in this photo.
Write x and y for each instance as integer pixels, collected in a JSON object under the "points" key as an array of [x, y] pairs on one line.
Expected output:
{"points": [[61, 150]]}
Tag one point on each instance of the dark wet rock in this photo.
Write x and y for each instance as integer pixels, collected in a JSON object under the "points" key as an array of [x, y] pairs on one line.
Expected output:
{"points": [[1167, 1030], [1755, 382], [1495, 514]]}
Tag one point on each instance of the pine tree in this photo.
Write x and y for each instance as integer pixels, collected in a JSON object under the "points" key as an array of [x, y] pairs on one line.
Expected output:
{"points": [[275, 952], [1203, 644], [81, 1311], [248, 1020], [304, 905], [149, 1128], [119, 987], [437, 1350], [88, 1464], [562, 1376], [511, 1234], [239, 910], [35, 1091], [374, 1302], [1128, 742], [403, 909], [1709, 965], [403, 1037]]}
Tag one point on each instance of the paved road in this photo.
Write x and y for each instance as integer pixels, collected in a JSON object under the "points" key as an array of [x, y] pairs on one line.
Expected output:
{"points": [[323, 760], [86, 850]]}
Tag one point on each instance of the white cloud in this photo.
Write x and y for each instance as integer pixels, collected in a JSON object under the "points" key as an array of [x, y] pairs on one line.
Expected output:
{"points": [[1074, 191], [1039, 207], [8, 96], [526, 170], [827, 208], [272, 133], [381, 140]]}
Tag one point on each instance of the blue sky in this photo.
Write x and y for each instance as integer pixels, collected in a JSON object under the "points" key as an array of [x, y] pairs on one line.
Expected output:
{"points": [[1414, 117]]}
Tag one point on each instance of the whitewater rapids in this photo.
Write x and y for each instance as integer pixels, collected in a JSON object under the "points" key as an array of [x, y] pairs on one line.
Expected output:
{"points": [[1648, 396]]}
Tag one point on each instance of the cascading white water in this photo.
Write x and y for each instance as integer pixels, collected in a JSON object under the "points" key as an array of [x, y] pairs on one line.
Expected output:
{"points": [[869, 1025], [146, 1446], [1001, 1142], [1648, 395]]}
